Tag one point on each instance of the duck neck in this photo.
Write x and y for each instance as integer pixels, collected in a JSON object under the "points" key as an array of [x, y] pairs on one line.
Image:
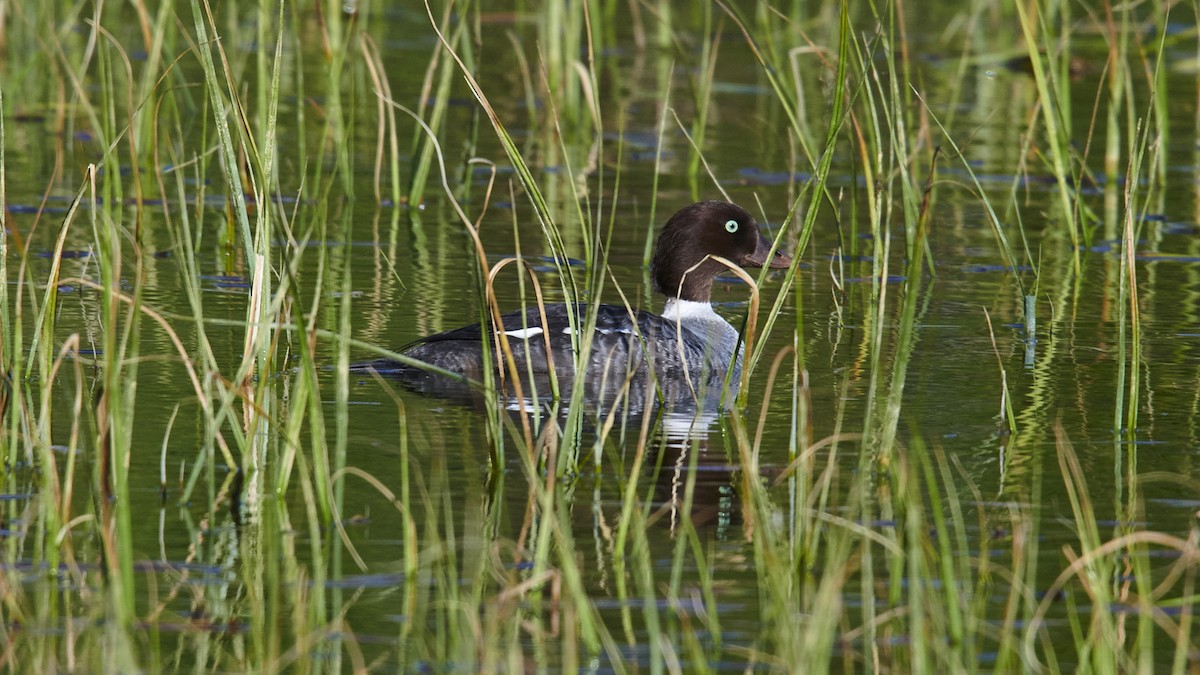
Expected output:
{"points": [[693, 285], [688, 311]]}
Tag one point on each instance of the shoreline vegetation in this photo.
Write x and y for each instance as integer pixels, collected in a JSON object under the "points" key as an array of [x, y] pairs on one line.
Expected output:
{"points": [[247, 149]]}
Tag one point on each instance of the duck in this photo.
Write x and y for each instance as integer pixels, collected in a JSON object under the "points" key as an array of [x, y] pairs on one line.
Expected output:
{"points": [[689, 344]]}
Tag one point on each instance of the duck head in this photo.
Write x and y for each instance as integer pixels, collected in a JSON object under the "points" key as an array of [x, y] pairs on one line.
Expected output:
{"points": [[708, 228]]}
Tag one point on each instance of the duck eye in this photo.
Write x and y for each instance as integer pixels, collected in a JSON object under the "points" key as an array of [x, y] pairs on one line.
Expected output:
{"points": [[731, 226]]}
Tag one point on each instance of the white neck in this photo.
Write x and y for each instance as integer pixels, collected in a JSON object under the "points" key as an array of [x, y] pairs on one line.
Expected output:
{"points": [[689, 310]]}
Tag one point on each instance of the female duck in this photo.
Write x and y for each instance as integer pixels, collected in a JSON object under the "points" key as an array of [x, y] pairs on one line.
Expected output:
{"points": [[688, 336]]}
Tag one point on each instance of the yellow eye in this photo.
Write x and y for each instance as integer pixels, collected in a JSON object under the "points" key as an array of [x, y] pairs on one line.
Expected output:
{"points": [[731, 226]]}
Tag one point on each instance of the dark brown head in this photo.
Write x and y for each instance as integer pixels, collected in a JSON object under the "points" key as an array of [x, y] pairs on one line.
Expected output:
{"points": [[700, 230]]}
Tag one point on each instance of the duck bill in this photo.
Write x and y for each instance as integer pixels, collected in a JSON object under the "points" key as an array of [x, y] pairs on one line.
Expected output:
{"points": [[779, 261]]}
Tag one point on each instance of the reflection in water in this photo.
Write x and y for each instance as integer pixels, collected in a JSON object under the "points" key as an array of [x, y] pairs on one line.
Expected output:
{"points": [[687, 457]]}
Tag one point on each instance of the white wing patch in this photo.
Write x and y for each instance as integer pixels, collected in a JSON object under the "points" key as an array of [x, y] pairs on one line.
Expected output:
{"points": [[525, 333]]}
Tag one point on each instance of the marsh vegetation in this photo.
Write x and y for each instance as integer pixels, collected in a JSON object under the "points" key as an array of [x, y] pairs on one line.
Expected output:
{"points": [[966, 433]]}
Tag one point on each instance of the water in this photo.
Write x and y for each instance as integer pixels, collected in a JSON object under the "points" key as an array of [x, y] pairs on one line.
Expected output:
{"points": [[411, 274]]}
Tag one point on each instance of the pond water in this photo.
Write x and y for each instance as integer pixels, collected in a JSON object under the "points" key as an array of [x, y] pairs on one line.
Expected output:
{"points": [[243, 574]]}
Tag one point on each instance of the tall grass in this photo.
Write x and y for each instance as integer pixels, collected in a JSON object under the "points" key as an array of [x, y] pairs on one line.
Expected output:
{"points": [[851, 538]]}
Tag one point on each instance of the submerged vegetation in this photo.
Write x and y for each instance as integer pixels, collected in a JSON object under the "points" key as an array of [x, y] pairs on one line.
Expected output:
{"points": [[211, 210]]}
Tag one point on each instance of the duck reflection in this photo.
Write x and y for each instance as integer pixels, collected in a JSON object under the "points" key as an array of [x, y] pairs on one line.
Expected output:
{"points": [[688, 461]]}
